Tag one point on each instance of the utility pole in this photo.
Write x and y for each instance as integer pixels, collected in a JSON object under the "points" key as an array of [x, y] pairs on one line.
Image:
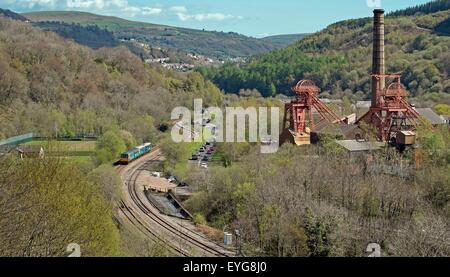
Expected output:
{"points": [[238, 243]]}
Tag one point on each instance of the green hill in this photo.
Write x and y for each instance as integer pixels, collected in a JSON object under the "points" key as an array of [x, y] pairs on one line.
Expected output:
{"points": [[284, 40], [208, 43], [338, 58], [48, 81]]}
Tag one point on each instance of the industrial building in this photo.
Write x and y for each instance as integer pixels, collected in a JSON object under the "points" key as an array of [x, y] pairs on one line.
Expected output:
{"points": [[22, 151], [391, 117]]}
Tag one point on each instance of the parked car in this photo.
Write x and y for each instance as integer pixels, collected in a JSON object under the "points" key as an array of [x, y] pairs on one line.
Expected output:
{"points": [[156, 174], [194, 157], [203, 165], [171, 179], [205, 159], [183, 184]]}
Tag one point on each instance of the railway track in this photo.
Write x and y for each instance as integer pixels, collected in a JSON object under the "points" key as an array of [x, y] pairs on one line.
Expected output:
{"points": [[139, 212], [138, 224]]}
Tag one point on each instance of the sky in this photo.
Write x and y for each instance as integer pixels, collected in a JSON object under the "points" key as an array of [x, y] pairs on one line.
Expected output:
{"points": [[257, 18]]}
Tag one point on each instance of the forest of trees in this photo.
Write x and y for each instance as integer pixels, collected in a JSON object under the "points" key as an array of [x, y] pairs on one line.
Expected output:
{"points": [[336, 59], [91, 35], [47, 204], [319, 202], [57, 88], [427, 8]]}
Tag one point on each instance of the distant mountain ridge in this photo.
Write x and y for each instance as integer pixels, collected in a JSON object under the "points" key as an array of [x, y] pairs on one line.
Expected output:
{"points": [[284, 40], [12, 15], [208, 43]]}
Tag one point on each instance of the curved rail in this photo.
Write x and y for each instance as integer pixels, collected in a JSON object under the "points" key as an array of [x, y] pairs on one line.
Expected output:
{"points": [[177, 231]]}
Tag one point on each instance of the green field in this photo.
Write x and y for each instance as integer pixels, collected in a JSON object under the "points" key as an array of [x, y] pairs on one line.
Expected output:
{"points": [[76, 151], [66, 146]]}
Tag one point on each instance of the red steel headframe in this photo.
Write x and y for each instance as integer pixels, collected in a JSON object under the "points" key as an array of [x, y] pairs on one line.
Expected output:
{"points": [[301, 109]]}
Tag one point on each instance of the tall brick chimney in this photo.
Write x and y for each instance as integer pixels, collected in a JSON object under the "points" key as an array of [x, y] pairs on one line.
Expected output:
{"points": [[378, 62]]}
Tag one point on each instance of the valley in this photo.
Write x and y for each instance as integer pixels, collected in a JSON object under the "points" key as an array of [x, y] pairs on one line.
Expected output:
{"points": [[93, 109]]}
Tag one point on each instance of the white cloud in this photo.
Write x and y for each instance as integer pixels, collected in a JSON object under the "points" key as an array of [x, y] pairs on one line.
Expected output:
{"points": [[151, 11], [43, 3], [207, 17], [178, 9], [184, 17], [183, 14], [123, 5], [80, 3]]}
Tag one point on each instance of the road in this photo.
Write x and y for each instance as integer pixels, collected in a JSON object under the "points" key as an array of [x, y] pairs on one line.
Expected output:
{"points": [[180, 236]]}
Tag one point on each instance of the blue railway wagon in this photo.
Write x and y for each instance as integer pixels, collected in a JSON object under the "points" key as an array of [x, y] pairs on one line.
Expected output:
{"points": [[147, 147], [135, 153]]}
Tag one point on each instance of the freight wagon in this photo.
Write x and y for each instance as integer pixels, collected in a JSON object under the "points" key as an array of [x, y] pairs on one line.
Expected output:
{"points": [[135, 153]]}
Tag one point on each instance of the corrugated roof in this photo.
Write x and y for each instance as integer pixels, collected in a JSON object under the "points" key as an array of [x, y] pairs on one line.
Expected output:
{"points": [[336, 129], [357, 146], [431, 115], [29, 148], [363, 104]]}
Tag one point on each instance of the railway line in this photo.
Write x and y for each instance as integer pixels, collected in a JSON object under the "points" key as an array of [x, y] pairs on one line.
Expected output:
{"points": [[175, 234]]}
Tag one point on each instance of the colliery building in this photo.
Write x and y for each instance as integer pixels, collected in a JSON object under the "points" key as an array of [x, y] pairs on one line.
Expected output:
{"points": [[22, 151]]}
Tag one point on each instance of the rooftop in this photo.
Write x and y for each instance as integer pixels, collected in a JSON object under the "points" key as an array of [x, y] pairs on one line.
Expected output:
{"points": [[360, 146], [344, 130], [431, 115], [29, 148], [7, 148]]}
